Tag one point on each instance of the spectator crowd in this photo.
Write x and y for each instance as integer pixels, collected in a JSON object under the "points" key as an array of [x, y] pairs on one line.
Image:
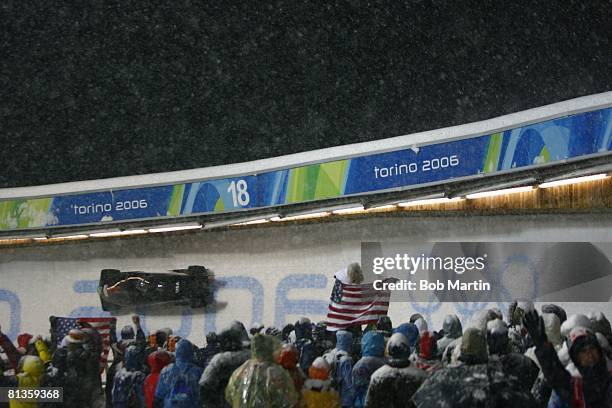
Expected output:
{"points": [[524, 359]]}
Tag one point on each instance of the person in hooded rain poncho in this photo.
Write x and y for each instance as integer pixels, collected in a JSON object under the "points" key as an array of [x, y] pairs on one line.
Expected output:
{"points": [[394, 384], [473, 348], [217, 374], [288, 359], [42, 350], [541, 390], [477, 327], [458, 352], [601, 324], [425, 357], [357, 333], [573, 321], [111, 371], [552, 326], [411, 332], [372, 348], [118, 348], [141, 344], [206, 353], [82, 377], [322, 340], [244, 335], [556, 310], [341, 366], [32, 370], [480, 318], [317, 391], [128, 391], [92, 345], [452, 330], [385, 326], [450, 354], [591, 385], [517, 333], [178, 382], [157, 361], [260, 382], [304, 342], [516, 365], [286, 332], [55, 373]]}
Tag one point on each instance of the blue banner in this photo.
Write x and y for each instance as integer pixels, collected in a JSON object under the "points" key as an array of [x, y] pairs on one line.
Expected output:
{"points": [[573, 137]]}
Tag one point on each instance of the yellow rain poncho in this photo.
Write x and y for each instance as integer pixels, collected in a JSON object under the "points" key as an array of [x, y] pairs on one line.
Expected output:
{"points": [[260, 382], [32, 370]]}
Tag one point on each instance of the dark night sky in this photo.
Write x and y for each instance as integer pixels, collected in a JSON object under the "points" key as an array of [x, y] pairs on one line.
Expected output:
{"points": [[114, 88]]}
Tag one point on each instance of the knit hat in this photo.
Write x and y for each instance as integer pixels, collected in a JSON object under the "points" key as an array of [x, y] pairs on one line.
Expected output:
{"points": [[23, 340]]}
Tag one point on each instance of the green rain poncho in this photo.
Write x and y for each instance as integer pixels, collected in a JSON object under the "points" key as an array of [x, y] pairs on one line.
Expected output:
{"points": [[260, 382]]}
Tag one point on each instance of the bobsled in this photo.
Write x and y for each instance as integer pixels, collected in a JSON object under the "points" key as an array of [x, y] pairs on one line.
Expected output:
{"points": [[180, 287]]}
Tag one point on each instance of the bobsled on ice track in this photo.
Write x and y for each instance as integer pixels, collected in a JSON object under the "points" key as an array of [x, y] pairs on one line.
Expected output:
{"points": [[192, 286]]}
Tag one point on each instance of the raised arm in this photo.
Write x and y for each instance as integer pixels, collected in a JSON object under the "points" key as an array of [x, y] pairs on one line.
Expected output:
{"points": [[555, 373]]}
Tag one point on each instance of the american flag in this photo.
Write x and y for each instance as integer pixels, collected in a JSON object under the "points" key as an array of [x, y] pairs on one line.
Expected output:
{"points": [[60, 326], [355, 304]]}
